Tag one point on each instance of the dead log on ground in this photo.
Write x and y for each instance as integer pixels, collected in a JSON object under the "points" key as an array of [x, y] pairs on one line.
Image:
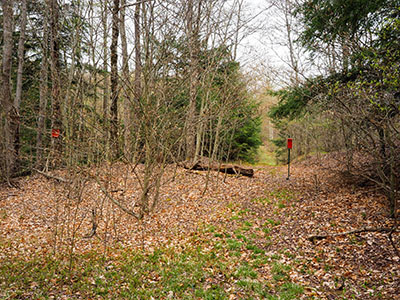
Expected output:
{"points": [[49, 176], [205, 164]]}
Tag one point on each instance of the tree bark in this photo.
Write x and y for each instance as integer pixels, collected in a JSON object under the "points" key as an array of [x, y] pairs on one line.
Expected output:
{"points": [[125, 82], [43, 93], [18, 92], [289, 31], [21, 49], [105, 78], [192, 27], [56, 119], [11, 114], [114, 80], [138, 62]]}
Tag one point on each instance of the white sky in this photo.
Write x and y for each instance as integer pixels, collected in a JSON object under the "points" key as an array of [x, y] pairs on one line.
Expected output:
{"points": [[261, 51]]}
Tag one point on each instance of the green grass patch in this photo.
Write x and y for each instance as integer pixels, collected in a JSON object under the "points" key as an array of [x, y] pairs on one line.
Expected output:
{"points": [[282, 194], [271, 222], [246, 271], [233, 245], [130, 275], [262, 200], [280, 271]]}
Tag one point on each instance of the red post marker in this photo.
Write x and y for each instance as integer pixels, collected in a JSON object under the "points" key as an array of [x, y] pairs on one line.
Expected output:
{"points": [[55, 133], [289, 146], [289, 143]]}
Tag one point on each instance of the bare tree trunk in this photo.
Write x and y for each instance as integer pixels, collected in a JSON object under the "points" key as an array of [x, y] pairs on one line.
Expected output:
{"points": [[238, 24], [93, 43], [289, 31], [346, 53], [56, 118], [11, 114], [138, 62], [21, 49], [18, 92], [192, 28], [43, 91], [125, 83], [105, 79], [114, 80]]}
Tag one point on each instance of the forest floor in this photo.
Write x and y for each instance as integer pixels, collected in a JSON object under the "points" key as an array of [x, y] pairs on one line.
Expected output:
{"points": [[241, 238]]}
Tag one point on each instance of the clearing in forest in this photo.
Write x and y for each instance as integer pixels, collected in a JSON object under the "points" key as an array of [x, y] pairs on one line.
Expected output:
{"points": [[241, 238]]}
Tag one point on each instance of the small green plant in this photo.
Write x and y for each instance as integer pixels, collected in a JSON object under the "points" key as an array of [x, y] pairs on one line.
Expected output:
{"points": [[245, 271], [247, 224], [272, 222], [275, 256], [234, 245], [289, 291], [243, 212], [279, 271], [210, 228], [241, 237], [282, 194], [266, 230], [289, 255], [262, 200], [3, 214], [281, 204]]}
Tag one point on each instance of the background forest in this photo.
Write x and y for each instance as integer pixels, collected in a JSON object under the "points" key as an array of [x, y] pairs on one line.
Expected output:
{"points": [[86, 82], [104, 102]]}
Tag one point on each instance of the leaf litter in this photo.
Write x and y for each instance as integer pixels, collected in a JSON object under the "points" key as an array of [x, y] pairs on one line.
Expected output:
{"points": [[44, 216]]}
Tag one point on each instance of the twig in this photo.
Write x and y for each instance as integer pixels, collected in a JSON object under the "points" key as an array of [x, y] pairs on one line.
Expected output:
{"points": [[116, 202], [392, 230], [135, 3], [61, 179], [317, 237]]}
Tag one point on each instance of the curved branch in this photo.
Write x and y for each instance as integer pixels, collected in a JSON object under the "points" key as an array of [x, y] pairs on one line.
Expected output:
{"points": [[317, 237]]}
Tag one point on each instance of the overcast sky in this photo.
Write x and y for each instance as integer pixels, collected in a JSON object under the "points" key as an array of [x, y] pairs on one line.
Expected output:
{"points": [[261, 50]]}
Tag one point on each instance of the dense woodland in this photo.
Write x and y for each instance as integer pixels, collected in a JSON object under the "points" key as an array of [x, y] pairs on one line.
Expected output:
{"points": [[108, 100], [122, 81]]}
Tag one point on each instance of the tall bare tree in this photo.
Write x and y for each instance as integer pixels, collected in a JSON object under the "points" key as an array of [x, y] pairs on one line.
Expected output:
{"points": [[21, 57], [114, 79], [43, 90], [56, 117], [138, 61], [11, 114], [193, 14], [125, 82], [106, 96]]}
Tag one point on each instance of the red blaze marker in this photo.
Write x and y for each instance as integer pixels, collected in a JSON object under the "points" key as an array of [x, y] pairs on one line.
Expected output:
{"points": [[289, 143], [289, 146], [55, 133]]}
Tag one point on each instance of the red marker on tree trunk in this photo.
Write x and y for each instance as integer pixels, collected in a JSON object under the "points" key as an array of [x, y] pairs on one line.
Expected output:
{"points": [[55, 133], [289, 146]]}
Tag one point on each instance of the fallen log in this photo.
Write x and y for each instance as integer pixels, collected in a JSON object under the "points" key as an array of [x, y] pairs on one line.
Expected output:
{"points": [[205, 164], [49, 176]]}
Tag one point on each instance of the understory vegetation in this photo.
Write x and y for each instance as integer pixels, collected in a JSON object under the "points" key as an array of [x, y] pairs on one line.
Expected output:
{"points": [[354, 107]]}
